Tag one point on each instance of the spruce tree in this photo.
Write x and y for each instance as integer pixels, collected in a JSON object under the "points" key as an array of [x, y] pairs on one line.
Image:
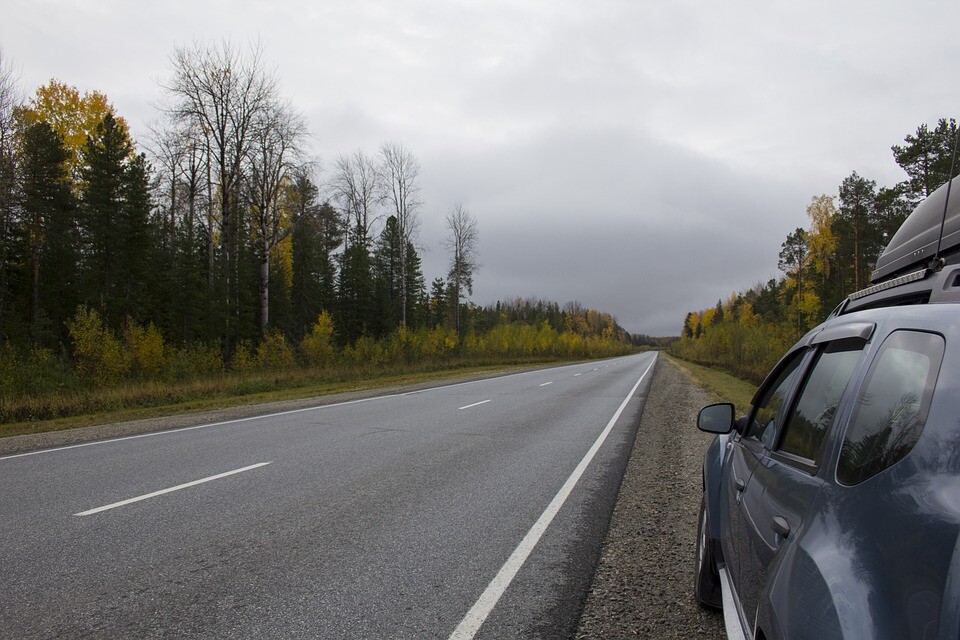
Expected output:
{"points": [[107, 220], [416, 289], [438, 303], [49, 233], [355, 291], [387, 274], [314, 239]]}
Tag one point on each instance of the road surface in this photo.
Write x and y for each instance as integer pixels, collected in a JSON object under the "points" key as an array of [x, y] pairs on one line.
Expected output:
{"points": [[471, 510]]}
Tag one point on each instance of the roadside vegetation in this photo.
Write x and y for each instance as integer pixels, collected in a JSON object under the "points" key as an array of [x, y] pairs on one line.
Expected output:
{"points": [[822, 265], [111, 371], [723, 385], [213, 259]]}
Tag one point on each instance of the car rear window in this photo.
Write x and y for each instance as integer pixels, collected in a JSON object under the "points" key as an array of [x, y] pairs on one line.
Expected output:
{"points": [[817, 403], [892, 407]]}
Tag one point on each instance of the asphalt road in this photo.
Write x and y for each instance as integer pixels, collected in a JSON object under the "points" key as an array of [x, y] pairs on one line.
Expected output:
{"points": [[472, 510]]}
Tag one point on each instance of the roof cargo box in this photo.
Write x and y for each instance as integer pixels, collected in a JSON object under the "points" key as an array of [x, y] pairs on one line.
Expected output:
{"points": [[915, 242]]}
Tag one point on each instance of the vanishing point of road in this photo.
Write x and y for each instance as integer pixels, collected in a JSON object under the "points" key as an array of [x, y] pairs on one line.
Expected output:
{"points": [[471, 510]]}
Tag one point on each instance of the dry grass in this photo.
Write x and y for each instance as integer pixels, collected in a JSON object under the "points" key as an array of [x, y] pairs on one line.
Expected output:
{"points": [[726, 387], [68, 409]]}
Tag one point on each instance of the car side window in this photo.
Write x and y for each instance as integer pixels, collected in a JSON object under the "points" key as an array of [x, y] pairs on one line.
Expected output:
{"points": [[892, 406], [763, 425], [813, 413]]}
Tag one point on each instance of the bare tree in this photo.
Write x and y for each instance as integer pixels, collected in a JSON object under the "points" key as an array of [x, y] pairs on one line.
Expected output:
{"points": [[400, 171], [9, 98], [462, 244], [356, 187], [275, 154], [224, 94]]}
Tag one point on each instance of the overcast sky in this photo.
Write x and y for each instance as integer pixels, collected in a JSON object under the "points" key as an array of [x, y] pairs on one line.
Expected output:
{"points": [[643, 157]]}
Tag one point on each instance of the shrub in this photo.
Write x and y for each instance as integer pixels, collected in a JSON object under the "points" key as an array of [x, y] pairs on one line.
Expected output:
{"points": [[149, 355], [273, 352], [317, 346], [100, 356]]}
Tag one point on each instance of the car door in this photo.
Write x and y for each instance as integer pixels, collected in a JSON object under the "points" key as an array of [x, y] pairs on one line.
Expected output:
{"points": [[747, 450], [785, 482]]}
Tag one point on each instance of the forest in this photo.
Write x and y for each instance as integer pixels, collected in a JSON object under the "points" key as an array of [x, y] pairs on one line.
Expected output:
{"points": [[822, 264], [213, 249]]}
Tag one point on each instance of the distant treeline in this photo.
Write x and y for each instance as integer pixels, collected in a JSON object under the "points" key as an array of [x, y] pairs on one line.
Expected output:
{"points": [[220, 252], [822, 264]]}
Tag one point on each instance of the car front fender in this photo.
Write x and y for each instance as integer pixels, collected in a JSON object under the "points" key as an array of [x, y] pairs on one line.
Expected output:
{"points": [[714, 462]]}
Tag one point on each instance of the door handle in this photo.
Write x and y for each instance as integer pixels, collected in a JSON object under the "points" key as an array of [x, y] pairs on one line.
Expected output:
{"points": [[780, 526], [741, 485]]}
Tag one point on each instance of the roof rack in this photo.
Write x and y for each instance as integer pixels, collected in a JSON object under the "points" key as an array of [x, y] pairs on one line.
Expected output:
{"points": [[925, 286]]}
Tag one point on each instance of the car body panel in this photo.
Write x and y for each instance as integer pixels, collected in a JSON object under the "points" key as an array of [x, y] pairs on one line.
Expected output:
{"points": [[880, 559]]}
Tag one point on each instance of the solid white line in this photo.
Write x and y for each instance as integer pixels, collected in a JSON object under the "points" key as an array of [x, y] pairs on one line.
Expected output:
{"points": [[546, 383], [475, 404], [170, 490], [472, 622]]}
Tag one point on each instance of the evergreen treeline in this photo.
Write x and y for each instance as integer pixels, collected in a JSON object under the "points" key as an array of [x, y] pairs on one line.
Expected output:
{"points": [[822, 264], [219, 251]]}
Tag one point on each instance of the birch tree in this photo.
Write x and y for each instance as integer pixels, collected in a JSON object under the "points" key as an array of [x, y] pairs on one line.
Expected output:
{"points": [[400, 171], [462, 245], [275, 155], [225, 94]]}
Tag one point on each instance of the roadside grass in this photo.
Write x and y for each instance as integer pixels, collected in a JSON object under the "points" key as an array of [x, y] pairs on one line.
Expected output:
{"points": [[726, 387], [135, 401]]}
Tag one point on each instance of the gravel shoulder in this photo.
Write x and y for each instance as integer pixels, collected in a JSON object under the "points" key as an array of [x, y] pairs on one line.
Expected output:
{"points": [[643, 584]]}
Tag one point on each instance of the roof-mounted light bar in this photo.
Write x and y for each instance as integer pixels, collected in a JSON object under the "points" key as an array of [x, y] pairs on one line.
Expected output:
{"points": [[890, 284]]}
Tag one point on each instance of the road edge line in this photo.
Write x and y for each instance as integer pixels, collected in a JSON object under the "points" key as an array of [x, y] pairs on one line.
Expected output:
{"points": [[477, 615]]}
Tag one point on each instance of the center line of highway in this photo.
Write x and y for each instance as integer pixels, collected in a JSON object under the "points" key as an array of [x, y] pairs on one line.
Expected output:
{"points": [[472, 622], [546, 383], [170, 490], [475, 404]]}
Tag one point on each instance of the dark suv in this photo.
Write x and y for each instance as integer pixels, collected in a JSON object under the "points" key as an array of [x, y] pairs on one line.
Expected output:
{"points": [[832, 509]]}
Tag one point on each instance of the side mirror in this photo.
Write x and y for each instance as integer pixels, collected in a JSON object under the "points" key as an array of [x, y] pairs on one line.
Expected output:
{"points": [[716, 418]]}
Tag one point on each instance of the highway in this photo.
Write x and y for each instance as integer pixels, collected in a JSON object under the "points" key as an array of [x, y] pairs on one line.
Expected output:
{"points": [[472, 510]]}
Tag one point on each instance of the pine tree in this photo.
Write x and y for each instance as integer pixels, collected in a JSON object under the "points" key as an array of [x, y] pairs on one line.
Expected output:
{"points": [[926, 158], [858, 240]]}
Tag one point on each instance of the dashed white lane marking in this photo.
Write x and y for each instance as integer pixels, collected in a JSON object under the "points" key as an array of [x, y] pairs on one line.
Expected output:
{"points": [[170, 490], [475, 404], [546, 383], [472, 622], [577, 375]]}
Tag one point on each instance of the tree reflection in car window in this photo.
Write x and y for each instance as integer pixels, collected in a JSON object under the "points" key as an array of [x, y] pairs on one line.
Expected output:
{"points": [[763, 425], [892, 408], [814, 411]]}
